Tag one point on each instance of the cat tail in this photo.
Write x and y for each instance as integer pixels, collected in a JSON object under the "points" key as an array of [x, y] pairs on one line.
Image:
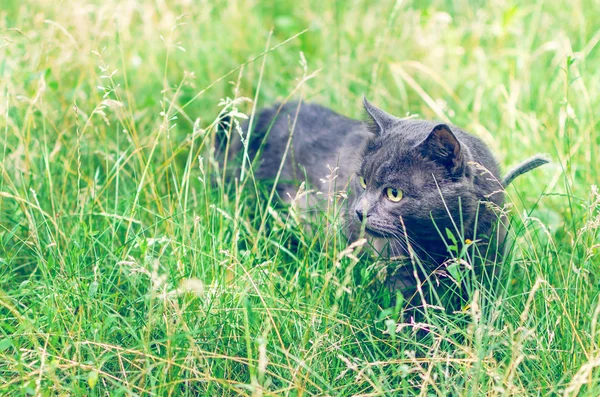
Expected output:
{"points": [[526, 166]]}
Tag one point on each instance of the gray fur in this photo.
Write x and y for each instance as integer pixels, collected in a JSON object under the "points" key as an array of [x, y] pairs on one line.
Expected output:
{"points": [[450, 179], [321, 137], [526, 166]]}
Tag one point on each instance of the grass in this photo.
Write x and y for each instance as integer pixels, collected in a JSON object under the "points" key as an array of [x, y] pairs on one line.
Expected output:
{"points": [[130, 266]]}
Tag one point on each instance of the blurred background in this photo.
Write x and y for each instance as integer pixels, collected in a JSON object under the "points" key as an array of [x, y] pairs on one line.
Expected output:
{"points": [[506, 71], [107, 115]]}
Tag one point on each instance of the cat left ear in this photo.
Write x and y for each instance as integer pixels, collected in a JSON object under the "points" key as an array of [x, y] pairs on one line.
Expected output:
{"points": [[382, 120], [442, 146]]}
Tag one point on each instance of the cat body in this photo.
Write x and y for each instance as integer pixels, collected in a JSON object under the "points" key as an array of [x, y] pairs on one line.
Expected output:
{"points": [[321, 139], [417, 187]]}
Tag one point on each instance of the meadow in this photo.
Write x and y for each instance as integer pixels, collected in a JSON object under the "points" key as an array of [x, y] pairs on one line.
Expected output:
{"points": [[130, 265]]}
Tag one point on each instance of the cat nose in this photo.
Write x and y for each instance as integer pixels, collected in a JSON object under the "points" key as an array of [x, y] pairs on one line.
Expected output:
{"points": [[361, 208], [359, 214]]}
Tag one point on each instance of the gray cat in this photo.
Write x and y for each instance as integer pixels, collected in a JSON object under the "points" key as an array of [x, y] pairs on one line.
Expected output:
{"points": [[422, 189]]}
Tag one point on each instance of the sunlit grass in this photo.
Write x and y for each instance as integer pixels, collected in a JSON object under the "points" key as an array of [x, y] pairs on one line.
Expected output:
{"points": [[131, 265]]}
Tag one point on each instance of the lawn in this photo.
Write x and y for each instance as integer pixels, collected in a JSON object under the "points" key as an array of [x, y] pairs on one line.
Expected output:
{"points": [[131, 265]]}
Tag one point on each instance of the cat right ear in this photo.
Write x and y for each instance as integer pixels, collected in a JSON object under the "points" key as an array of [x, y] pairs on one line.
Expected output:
{"points": [[442, 146], [382, 121]]}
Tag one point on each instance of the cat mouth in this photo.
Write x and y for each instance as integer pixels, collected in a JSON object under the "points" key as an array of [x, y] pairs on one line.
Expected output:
{"points": [[376, 232]]}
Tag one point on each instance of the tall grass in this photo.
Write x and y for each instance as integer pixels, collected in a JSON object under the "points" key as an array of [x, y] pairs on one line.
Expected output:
{"points": [[130, 265]]}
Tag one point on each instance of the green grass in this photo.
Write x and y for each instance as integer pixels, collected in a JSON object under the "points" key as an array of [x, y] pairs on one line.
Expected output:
{"points": [[111, 204]]}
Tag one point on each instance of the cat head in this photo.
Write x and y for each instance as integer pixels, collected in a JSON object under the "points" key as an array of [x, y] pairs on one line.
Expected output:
{"points": [[414, 180]]}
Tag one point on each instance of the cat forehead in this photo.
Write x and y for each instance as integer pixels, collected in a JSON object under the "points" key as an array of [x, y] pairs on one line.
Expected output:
{"points": [[399, 161], [406, 132], [392, 145], [387, 166]]}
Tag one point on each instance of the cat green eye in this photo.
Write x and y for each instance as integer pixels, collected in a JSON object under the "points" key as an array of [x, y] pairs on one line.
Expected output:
{"points": [[362, 182], [393, 194]]}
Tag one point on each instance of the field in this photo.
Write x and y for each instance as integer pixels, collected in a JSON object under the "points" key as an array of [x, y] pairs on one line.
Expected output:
{"points": [[129, 264]]}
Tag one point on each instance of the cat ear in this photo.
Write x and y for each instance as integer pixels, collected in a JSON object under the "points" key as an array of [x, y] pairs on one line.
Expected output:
{"points": [[442, 146], [382, 120]]}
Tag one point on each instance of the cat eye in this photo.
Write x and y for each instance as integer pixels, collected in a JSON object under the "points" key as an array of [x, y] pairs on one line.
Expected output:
{"points": [[362, 182], [393, 194]]}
